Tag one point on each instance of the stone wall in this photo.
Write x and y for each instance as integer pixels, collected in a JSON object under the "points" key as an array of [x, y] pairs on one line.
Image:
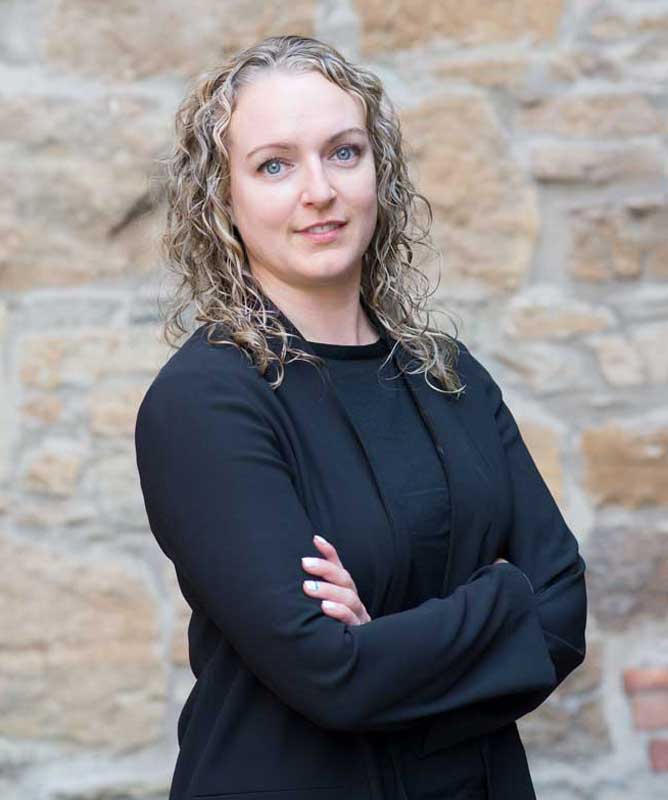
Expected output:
{"points": [[539, 132]]}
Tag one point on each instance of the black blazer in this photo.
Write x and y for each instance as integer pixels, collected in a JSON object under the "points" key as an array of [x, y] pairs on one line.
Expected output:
{"points": [[237, 478]]}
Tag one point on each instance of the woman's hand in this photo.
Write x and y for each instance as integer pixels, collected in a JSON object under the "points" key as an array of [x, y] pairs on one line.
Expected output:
{"points": [[337, 586]]}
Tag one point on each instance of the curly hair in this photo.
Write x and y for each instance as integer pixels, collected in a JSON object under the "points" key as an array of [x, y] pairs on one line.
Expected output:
{"points": [[203, 248]]}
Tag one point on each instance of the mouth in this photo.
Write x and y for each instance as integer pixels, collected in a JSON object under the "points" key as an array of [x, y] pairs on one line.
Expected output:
{"points": [[324, 233]]}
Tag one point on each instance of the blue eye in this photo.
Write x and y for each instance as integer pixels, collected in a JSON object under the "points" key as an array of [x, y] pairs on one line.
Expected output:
{"points": [[353, 147]]}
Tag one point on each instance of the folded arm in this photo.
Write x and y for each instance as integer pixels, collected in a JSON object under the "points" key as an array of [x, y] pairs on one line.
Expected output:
{"points": [[222, 505], [544, 548]]}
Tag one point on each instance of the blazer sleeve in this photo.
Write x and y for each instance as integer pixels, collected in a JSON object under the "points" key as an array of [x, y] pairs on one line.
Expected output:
{"points": [[544, 548], [222, 505]]}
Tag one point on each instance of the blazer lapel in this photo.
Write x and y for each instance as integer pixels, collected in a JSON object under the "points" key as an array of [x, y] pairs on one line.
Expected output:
{"points": [[465, 466]]}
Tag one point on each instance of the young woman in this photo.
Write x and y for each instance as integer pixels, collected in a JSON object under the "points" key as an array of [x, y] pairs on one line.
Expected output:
{"points": [[447, 597]]}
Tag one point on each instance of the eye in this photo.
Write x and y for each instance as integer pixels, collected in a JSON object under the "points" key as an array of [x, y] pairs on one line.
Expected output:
{"points": [[270, 161], [355, 148]]}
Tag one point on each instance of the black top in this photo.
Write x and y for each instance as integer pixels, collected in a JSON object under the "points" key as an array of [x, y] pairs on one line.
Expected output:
{"points": [[287, 702], [403, 453]]}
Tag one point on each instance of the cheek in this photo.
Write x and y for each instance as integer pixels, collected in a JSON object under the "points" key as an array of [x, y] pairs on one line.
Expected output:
{"points": [[363, 193], [265, 206]]}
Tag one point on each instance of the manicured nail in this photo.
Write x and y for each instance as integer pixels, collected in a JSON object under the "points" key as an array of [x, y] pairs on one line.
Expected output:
{"points": [[312, 585], [321, 539]]}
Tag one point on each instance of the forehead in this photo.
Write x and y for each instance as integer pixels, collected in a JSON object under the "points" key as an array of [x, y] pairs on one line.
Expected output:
{"points": [[292, 107]]}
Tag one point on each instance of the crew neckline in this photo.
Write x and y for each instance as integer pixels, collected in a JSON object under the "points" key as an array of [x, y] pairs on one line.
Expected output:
{"points": [[349, 351]]}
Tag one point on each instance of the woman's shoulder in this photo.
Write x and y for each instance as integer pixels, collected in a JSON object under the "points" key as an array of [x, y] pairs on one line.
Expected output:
{"points": [[200, 367], [469, 363]]}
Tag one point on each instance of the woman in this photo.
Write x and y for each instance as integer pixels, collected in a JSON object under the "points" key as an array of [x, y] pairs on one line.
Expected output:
{"points": [[449, 595]]}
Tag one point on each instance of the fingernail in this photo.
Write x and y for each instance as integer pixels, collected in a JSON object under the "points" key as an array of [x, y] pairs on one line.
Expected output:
{"points": [[312, 585], [321, 539]]}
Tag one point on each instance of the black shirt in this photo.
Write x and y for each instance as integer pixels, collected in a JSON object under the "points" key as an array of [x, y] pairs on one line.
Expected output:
{"points": [[402, 452], [398, 442]]}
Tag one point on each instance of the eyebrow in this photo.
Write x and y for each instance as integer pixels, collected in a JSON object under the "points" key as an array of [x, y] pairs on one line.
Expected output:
{"points": [[287, 145]]}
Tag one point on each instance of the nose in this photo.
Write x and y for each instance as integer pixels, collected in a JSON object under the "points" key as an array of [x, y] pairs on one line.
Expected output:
{"points": [[317, 187]]}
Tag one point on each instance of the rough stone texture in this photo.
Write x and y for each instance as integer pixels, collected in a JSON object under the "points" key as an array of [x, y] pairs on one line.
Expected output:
{"points": [[6, 410], [410, 23], [590, 114], [82, 357], [619, 242], [499, 72], [545, 368], [547, 312], [571, 724], [113, 412], [133, 40], [628, 575], [619, 360], [599, 164], [486, 216], [182, 612], [74, 166], [543, 442], [539, 133], [627, 463], [633, 359], [87, 639]]}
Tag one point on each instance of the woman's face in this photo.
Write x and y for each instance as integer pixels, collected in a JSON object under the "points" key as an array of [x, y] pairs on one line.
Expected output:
{"points": [[289, 169]]}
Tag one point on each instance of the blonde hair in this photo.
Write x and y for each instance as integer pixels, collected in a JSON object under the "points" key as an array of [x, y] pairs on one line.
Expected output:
{"points": [[204, 250]]}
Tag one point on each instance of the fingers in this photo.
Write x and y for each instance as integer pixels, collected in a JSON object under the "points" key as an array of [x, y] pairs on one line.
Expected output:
{"points": [[335, 594], [334, 573], [328, 550], [337, 590]]}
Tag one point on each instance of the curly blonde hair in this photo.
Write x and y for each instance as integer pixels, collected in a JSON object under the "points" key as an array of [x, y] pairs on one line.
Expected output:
{"points": [[204, 250]]}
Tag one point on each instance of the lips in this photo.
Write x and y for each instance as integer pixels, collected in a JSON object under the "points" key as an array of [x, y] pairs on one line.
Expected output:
{"points": [[331, 224]]}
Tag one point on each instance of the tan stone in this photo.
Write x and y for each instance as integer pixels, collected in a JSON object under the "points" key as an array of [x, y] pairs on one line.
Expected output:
{"points": [[545, 366], [86, 355], [53, 512], [545, 311], [619, 360], [178, 651], [500, 72], [543, 442], [573, 63], [591, 114], [88, 639], [571, 723], [626, 463], [6, 403], [113, 413], [411, 23], [54, 469], [656, 260], [604, 246], [117, 488], [485, 214], [126, 41], [71, 208], [624, 22], [596, 164], [42, 409]]}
